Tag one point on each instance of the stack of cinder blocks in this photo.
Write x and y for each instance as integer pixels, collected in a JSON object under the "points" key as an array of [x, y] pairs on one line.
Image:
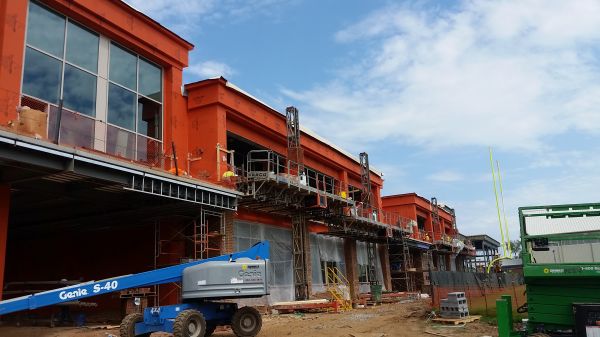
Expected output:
{"points": [[455, 306]]}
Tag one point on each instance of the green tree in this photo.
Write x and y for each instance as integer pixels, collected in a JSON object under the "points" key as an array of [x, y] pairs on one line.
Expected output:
{"points": [[515, 247]]}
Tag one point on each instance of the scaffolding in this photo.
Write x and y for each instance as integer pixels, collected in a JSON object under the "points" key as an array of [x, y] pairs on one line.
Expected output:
{"points": [[365, 179], [371, 261], [209, 234], [435, 215], [279, 185], [299, 245], [401, 266], [295, 151]]}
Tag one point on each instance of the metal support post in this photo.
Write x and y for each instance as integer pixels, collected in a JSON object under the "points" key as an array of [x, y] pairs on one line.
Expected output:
{"points": [[299, 256]]}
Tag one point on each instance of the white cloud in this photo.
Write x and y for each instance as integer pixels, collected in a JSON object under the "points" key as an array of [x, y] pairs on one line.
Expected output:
{"points": [[179, 16], [446, 176], [576, 182], [208, 69], [506, 73], [185, 17]]}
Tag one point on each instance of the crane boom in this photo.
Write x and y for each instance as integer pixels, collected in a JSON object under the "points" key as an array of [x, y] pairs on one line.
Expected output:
{"points": [[96, 288]]}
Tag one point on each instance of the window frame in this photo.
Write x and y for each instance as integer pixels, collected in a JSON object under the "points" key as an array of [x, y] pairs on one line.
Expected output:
{"points": [[62, 59], [100, 95], [136, 91]]}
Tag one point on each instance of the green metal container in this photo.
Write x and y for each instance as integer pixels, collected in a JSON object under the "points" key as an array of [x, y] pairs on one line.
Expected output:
{"points": [[376, 292], [561, 264]]}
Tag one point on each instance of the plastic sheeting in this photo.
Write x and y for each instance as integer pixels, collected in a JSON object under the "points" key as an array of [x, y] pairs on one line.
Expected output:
{"points": [[325, 248], [322, 248], [281, 277], [363, 259]]}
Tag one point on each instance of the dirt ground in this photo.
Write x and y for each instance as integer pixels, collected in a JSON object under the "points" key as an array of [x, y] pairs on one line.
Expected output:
{"points": [[397, 319]]}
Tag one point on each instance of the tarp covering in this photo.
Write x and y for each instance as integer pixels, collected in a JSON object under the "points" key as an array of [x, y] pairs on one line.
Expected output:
{"points": [[363, 259], [329, 249], [281, 277], [322, 248]]}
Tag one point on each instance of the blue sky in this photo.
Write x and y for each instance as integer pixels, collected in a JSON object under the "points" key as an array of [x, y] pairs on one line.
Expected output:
{"points": [[424, 87]]}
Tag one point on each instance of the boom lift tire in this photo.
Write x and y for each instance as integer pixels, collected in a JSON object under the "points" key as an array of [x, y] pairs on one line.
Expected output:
{"points": [[246, 322], [127, 327], [189, 323]]}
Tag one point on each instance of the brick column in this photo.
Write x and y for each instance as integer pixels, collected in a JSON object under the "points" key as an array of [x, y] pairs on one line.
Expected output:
{"points": [[384, 256], [4, 208], [351, 267], [228, 241]]}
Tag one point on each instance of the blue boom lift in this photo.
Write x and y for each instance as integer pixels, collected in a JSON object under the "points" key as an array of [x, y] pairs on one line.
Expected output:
{"points": [[239, 275]]}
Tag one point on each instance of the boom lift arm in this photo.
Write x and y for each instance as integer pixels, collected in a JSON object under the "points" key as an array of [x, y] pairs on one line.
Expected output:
{"points": [[259, 251]]}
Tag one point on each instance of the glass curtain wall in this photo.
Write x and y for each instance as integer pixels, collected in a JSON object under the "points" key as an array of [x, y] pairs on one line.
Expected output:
{"points": [[62, 63]]}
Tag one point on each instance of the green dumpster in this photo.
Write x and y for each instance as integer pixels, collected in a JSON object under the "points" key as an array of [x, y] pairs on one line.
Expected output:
{"points": [[376, 292]]}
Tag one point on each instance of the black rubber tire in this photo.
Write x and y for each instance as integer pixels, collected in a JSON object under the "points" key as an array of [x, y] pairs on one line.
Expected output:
{"points": [[189, 323], [210, 329], [127, 327], [246, 322]]}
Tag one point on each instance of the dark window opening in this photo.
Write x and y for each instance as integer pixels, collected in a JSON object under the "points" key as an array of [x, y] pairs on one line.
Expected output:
{"points": [[355, 193], [149, 117], [421, 222], [241, 147]]}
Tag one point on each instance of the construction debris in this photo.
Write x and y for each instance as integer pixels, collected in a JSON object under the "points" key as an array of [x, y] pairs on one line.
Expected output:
{"points": [[456, 321]]}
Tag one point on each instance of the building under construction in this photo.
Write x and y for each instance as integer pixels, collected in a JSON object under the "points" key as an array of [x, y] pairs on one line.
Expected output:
{"points": [[104, 157]]}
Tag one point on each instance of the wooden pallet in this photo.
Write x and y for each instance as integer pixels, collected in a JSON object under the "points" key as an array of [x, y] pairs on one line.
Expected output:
{"points": [[457, 321], [310, 305]]}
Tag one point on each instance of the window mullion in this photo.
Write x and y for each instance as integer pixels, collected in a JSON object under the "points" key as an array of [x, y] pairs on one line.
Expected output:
{"points": [[137, 95], [62, 75]]}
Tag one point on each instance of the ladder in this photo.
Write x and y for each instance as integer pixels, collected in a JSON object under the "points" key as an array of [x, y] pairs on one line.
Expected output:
{"points": [[208, 238], [407, 267], [338, 287], [200, 238], [299, 256]]}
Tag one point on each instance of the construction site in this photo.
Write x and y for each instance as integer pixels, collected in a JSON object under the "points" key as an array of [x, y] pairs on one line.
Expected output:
{"points": [[111, 165]]}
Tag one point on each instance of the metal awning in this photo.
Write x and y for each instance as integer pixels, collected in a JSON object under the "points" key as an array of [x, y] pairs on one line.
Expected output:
{"points": [[63, 183]]}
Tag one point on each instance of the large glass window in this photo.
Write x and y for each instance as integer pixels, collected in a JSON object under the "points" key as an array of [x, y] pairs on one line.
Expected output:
{"points": [[62, 63], [79, 91], [46, 30], [121, 107], [123, 67], [41, 76], [82, 47], [133, 79], [150, 81], [48, 74]]}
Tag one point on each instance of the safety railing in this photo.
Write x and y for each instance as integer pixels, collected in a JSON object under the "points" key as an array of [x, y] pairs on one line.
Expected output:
{"points": [[338, 286], [443, 239], [368, 213], [48, 122], [423, 235], [264, 164]]}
